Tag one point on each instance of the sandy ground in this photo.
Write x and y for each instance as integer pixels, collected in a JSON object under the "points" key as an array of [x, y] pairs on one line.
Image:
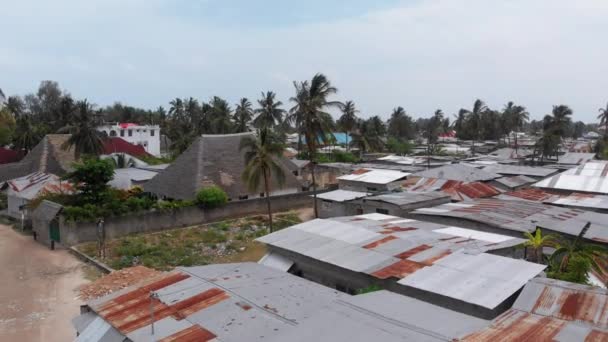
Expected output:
{"points": [[38, 296]]}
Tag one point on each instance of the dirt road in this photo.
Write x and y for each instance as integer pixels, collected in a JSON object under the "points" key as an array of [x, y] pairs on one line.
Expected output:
{"points": [[38, 295]]}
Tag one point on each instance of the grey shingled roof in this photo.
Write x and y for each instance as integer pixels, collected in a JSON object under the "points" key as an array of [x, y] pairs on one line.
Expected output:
{"points": [[47, 210], [458, 172], [47, 157], [210, 160]]}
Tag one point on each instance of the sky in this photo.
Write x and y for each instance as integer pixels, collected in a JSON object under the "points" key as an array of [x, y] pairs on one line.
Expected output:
{"points": [[418, 54]]}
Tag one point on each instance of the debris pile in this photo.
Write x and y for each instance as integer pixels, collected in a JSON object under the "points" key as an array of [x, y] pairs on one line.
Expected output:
{"points": [[115, 281]]}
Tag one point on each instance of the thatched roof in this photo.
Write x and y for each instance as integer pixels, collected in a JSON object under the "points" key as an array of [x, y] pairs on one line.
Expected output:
{"points": [[210, 160], [47, 157]]}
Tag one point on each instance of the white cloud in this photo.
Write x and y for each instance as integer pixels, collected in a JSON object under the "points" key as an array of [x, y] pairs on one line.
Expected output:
{"points": [[426, 55]]}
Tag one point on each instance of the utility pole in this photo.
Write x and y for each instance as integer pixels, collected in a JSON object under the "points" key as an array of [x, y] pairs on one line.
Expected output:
{"points": [[101, 238], [152, 297]]}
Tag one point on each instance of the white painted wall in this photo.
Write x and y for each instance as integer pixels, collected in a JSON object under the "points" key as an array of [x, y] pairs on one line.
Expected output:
{"points": [[147, 136]]}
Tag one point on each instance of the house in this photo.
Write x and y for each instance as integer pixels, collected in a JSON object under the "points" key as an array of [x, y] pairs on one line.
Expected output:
{"points": [[514, 217], [46, 157], [551, 310], [509, 183], [589, 177], [397, 203], [589, 202], [458, 172], [458, 190], [213, 160], [426, 261], [45, 223], [573, 159], [337, 203], [147, 136], [520, 170], [114, 145], [372, 180], [128, 178], [21, 191], [252, 302]]}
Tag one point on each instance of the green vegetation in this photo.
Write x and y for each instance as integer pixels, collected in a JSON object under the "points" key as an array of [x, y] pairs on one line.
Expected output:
{"points": [[3, 201], [90, 178], [211, 197], [152, 160], [227, 241], [371, 288]]}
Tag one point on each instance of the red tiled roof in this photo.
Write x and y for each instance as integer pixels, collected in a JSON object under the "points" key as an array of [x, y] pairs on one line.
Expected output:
{"points": [[9, 156], [119, 145]]}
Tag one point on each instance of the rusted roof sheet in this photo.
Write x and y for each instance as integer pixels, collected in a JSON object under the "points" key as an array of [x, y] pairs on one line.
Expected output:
{"points": [[551, 310], [458, 190], [194, 333], [536, 195]]}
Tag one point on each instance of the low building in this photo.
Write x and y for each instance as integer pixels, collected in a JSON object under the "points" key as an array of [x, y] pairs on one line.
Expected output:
{"points": [[589, 202], [456, 268], [551, 310], [397, 203], [252, 302], [22, 190], [516, 217], [509, 183], [128, 178], [372, 180], [337, 203], [114, 145], [458, 172], [214, 160], [458, 190], [589, 177], [520, 170], [147, 136]]}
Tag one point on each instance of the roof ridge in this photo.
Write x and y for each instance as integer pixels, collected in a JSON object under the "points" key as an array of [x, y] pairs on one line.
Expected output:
{"points": [[45, 155]]}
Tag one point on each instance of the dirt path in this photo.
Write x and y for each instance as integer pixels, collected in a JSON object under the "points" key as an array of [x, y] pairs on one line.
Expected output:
{"points": [[38, 295]]}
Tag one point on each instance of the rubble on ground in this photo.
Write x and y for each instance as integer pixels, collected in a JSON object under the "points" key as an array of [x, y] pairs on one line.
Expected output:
{"points": [[115, 281]]}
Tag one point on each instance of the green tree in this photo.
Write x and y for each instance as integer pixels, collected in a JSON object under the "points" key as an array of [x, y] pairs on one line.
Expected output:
{"points": [[348, 120], [7, 126], [220, 116], [211, 197], [397, 146], [312, 99], [84, 136], [474, 120], [270, 113], [537, 242], [26, 135], [121, 161], [400, 125], [519, 117], [262, 156], [91, 178], [431, 134], [603, 117], [243, 115]]}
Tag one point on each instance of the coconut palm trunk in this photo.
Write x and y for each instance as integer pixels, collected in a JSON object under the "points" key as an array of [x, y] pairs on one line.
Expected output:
{"points": [[311, 156], [268, 204]]}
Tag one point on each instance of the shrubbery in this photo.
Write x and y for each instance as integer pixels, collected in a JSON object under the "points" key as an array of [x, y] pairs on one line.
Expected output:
{"points": [[211, 197]]}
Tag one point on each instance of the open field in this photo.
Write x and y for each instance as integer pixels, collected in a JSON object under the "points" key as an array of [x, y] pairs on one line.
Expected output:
{"points": [[222, 242]]}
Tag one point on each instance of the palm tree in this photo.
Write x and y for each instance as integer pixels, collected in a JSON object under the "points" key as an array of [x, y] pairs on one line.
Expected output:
{"points": [[603, 117], [311, 100], [243, 115], [121, 161], [348, 120], [176, 107], [400, 125], [261, 163], [560, 120], [84, 136], [269, 113], [221, 116], [474, 120], [573, 259], [537, 242], [519, 117], [432, 134]]}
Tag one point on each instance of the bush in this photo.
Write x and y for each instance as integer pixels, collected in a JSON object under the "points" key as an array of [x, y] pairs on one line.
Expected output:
{"points": [[211, 197]]}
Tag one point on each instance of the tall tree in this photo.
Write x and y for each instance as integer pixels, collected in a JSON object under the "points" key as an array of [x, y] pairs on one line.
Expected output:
{"points": [[348, 120], [519, 117], [270, 112], [26, 134], [221, 116], [85, 138], [603, 117], [243, 115], [431, 133], [261, 164], [311, 100], [474, 117], [400, 125]]}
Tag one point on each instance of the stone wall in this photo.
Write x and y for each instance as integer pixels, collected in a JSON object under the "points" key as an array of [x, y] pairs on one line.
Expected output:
{"points": [[73, 233]]}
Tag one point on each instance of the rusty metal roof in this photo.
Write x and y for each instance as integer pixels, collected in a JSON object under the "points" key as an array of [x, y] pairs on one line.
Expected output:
{"points": [[458, 190], [551, 310]]}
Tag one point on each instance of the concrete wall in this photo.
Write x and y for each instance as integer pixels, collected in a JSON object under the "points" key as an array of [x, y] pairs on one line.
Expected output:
{"points": [[73, 233]]}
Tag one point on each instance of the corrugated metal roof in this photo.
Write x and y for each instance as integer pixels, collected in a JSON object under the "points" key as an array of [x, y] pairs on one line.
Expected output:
{"points": [[458, 190], [30, 186], [408, 198], [573, 158], [458, 172], [374, 176], [482, 279], [596, 168], [551, 310], [515, 181], [598, 185], [519, 170], [341, 195]]}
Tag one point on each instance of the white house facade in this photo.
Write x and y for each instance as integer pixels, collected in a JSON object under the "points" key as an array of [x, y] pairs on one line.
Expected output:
{"points": [[147, 136]]}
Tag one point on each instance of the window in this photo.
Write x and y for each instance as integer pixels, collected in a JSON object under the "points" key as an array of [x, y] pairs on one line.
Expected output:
{"points": [[382, 211], [130, 132], [243, 197], [151, 132], [122, 132], [112, 133], [137, 131], [261, 194]]}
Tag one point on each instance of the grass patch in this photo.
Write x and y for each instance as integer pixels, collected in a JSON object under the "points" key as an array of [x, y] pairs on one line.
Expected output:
{"points": [[222, 242]]}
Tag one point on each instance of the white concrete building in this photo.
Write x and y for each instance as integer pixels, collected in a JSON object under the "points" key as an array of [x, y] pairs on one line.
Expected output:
{"points": [[147, 136]]}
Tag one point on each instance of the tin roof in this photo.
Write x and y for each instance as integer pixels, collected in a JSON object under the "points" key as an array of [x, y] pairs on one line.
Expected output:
{"points": [[458, 190], [509, 153], [551, 310], [124, 178], [374, 176], [458, 172], [571, 182], [513, 182], [341, 195], [574, 158], [408, 198], [30, 186], [524, 216], [532, 171]]}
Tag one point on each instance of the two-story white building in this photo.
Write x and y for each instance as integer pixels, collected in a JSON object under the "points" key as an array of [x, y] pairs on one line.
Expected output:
{"points": [[147, 136]]}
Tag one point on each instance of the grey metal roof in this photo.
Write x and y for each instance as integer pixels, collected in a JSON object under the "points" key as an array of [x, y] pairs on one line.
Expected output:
{"points": [[513, 182], [384, 316], [407, 198], [532, 171], [510, 153], [574, 158], [47, 210], [341, 195], [458, 172], [482, 279], [375, 176], [210, 160], [551, 310], [562, 181], [124, 178]]}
